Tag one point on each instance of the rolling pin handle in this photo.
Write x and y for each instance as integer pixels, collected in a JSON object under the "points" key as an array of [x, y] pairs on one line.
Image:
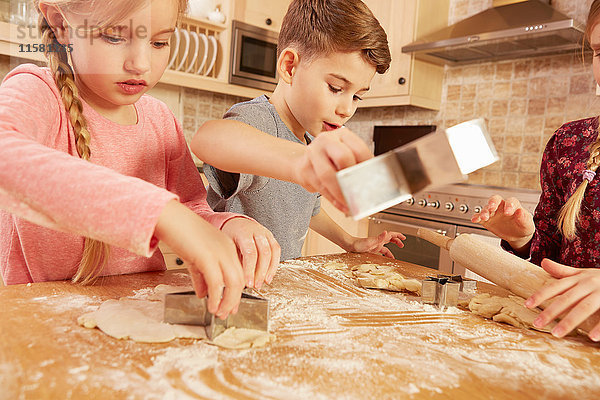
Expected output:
{"points": [[439, 240]]}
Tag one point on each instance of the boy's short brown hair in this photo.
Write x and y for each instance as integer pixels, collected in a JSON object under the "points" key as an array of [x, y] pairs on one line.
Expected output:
{"points": [[319, 27]]}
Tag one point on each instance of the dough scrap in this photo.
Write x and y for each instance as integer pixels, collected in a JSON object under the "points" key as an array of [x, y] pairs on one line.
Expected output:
{"points": [[509, 310], [375, 276], [142, 321], [242, 338]]}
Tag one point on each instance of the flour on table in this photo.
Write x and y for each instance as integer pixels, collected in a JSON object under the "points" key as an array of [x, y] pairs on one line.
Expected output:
{"points": [[510, 310], [141, 320], [374, 276]]}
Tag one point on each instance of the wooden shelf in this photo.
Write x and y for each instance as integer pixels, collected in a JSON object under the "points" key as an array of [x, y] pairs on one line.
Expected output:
{"points": [[182, 79], [214, 26]]}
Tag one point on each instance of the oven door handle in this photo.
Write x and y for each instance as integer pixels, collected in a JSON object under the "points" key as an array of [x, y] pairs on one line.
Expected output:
{"points": [[390, 221]]}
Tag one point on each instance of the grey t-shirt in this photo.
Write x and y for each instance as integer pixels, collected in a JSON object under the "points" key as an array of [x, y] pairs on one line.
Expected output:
{"points": [[282, 207]]}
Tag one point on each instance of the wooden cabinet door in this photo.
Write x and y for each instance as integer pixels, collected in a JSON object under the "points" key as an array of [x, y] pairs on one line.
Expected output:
{"points": [[261, 12], [397, 17]]}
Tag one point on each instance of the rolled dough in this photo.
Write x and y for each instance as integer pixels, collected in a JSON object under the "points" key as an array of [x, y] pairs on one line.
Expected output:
{"points": [[509, 310], [375, 276]]}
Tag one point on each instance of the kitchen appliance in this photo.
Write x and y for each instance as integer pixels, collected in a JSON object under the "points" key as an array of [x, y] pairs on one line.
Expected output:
{"points": [[446, 210], [501, 267], [442, 157], [253, 56], [187, 308], [510, 29]]}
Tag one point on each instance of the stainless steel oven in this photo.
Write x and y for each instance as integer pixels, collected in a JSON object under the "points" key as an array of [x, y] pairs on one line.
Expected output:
{"points": [[448, 211], [253, 60]]}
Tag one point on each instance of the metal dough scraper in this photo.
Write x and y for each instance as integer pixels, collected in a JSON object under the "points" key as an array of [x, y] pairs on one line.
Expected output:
{"points": [[443, 157], [188, 309]]}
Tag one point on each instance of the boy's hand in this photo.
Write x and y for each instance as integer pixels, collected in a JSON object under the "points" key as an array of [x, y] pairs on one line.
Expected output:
{"points": [[507, 220], [327, 154], [257, 249], [211, 257], [577, 291], [377, 244]]}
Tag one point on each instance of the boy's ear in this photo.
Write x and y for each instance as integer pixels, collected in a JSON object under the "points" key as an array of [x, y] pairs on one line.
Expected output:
{"points": [[287, 63], [57, 22]]}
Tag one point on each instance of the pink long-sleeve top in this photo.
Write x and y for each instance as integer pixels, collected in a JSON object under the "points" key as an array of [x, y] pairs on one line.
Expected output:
{"points": [[50, 198]]}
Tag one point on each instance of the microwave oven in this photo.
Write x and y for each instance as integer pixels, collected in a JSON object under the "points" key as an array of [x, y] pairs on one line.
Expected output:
{"points": [[253, 61]]}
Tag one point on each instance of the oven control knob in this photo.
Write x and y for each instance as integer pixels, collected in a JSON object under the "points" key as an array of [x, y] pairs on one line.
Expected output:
{"points": [[477, 209], [422, 203], [463, 208], [410, 201], [449, 206], [433, 204]]}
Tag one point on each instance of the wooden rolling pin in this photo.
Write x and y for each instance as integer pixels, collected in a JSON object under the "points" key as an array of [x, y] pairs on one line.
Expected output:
{"points": [[499, 266]]}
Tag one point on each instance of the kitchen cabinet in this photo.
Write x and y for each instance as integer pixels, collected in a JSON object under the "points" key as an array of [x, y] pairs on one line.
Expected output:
{"points": [[267, 14], [315, 244], [408, 81]]}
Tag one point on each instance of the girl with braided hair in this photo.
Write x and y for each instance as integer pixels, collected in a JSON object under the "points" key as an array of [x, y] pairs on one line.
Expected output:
{"points": [[566, 225], [93, 172]]}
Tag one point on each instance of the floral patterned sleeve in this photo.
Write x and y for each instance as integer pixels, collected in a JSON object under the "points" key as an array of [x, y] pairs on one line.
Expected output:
{"points": [[546, 242]]}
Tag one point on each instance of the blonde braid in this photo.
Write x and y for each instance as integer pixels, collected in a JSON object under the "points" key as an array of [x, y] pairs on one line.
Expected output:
{"points": [[568, 218], [95, 253]]}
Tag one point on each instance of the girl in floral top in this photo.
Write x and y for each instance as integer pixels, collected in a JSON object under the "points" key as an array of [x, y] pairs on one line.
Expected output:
{"points": [[566, 224]]}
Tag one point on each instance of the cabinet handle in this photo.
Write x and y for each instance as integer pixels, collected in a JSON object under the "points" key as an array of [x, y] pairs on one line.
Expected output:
{"points": [[178, 261], [268, 21], [402, 81]]}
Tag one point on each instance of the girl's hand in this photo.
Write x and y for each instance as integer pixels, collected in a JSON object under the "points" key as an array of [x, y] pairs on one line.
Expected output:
{"points": [[577, 291], [210, 254], [377, 244], [257, 249], [327, 154], [507, 220]]}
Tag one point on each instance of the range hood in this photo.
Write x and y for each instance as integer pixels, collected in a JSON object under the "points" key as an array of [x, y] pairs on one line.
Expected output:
{"points": [[510, 29]]}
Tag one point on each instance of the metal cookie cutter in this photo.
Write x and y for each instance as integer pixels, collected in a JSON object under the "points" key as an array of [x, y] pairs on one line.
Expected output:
{"points": [[440, 291], [467, 285], [188, 309]]}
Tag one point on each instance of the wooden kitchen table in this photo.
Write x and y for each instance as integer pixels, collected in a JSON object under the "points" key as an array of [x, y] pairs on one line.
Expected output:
{"points": [[334, 341]]}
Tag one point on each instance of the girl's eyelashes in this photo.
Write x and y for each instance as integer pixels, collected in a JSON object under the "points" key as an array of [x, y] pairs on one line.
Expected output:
{"points": [[160, 45], [112, 39], [357, 98], [334, 89]]}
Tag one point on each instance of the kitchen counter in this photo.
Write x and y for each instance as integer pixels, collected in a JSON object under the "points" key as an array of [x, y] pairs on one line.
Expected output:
{"points": [[334, 340]]}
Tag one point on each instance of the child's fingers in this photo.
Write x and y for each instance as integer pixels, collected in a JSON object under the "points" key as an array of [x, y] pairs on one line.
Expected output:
{"points": [[584, 309], [325, 172], [215, 284], [559, 270], [341, 152], [561, 304], [594, 334], [199, 284], [249, 254], [275, 257], [386, 252], [549, 291], [356, 144], [264, 259], [233, 280], [511, 205]]}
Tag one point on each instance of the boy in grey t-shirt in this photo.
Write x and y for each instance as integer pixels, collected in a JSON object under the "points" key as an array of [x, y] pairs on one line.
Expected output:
{"points": [[328, 53]]}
